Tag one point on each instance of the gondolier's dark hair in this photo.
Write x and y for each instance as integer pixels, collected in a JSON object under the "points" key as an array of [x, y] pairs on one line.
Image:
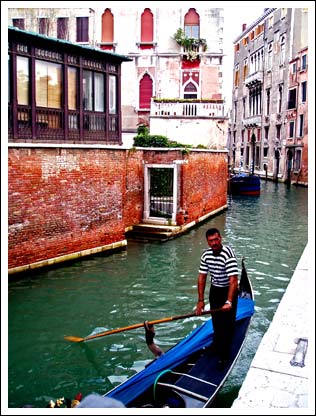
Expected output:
{"points": [[212, 231]]}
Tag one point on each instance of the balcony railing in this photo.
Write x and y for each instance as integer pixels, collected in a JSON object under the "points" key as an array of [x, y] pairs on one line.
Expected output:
{"points": [[255, 78], [252, 121], [179, 108], [52, 125]]}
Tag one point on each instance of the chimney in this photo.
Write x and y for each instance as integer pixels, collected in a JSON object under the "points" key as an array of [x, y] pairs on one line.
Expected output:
{"points": [[244, 26]]}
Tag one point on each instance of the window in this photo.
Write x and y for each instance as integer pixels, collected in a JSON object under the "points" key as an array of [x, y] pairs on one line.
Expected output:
{"points": [[303, 88], [266, 134], [48, 84], [22, 73], [107, 26], [112, 94], [292, 129], [62, 28], [278, 131], [93, 91], [297, 160], [268, 101], [236, 79], [292, 99], [301, 126], [258, 135], [304, 62], [147, 29], [282, 52], [192, 24], [190, 91], [145, 91], [82, 29], [280, 99], [269, 60], [19, 23], [244, 107], [72, 88], [43, 25], [245, 72]]}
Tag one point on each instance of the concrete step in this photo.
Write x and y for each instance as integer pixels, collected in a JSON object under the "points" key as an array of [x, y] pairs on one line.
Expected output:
{"points": [[153, 232]]}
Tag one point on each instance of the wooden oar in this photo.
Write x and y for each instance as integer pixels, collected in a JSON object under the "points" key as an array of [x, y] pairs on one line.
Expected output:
{"points": [[127, 328]]}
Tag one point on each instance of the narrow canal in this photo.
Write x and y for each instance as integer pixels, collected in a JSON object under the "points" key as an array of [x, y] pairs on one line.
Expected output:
{"points": [[146, 281]]}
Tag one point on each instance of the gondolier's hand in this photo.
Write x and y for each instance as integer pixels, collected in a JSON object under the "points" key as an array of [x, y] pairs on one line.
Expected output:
{"points": [[200, 307], [149, 333], [227, 306]]}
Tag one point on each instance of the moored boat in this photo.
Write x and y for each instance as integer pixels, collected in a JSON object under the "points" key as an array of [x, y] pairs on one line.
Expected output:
{"points": [[244, 184], [188, 374]]}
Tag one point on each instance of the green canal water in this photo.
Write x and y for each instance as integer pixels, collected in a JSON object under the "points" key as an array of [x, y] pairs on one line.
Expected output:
{"points": [[146, 281]]}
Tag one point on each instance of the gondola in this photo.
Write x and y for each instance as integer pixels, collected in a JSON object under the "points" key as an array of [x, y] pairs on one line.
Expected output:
{"points": [[188, 374]]}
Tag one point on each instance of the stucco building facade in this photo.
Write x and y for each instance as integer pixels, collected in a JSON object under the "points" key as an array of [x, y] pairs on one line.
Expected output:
{"points": [[270, 96]]}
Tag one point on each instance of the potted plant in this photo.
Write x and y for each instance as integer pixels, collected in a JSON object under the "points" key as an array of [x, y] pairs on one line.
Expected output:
{"points": [[190, 45]]}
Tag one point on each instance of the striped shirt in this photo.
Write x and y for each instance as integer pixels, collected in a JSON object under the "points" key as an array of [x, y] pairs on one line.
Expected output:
{"points": [[220, 267]]}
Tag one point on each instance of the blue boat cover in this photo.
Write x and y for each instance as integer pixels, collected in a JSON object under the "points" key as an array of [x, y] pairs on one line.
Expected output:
{"points": [[200, 337]]}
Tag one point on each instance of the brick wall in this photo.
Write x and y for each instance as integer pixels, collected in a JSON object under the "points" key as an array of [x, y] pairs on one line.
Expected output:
{"points": [[69, 200]]}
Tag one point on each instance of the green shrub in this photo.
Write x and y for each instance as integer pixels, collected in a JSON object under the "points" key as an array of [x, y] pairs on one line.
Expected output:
{"points": [[142, 129]]}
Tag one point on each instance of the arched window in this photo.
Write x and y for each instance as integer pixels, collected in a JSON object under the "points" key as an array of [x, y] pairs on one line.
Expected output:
{"points": [[145, 91], [192, 24], [190, 91], [107, 26], [147, 27]]}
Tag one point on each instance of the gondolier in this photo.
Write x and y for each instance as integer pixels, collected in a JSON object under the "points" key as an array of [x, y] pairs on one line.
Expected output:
{"points": [[219, 261]]}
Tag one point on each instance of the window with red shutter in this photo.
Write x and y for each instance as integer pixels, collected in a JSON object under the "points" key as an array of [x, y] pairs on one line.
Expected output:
{"points": [[147, 29], [145, 91]]}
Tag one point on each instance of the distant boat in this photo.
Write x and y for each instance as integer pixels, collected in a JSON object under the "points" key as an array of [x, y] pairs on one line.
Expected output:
{"points": [[244, 184]]}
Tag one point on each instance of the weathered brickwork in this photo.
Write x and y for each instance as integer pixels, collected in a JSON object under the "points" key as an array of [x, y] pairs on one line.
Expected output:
{"points": [[68, 200]]}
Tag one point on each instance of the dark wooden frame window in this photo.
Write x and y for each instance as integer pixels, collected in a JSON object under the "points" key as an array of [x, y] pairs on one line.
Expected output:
{"points": [[82, 29], [62, 28], [43, 25], [304, 91], [19, 23], [292, 99], [291, 129]]}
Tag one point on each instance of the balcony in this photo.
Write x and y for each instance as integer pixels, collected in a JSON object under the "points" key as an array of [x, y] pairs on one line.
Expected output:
{"points": [[187, 108], [253, 79], [53, 125], [252, 121]]}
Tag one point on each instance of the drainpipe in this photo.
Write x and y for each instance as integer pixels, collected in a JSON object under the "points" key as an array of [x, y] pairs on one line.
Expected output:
{"points": [[253, 142]]}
